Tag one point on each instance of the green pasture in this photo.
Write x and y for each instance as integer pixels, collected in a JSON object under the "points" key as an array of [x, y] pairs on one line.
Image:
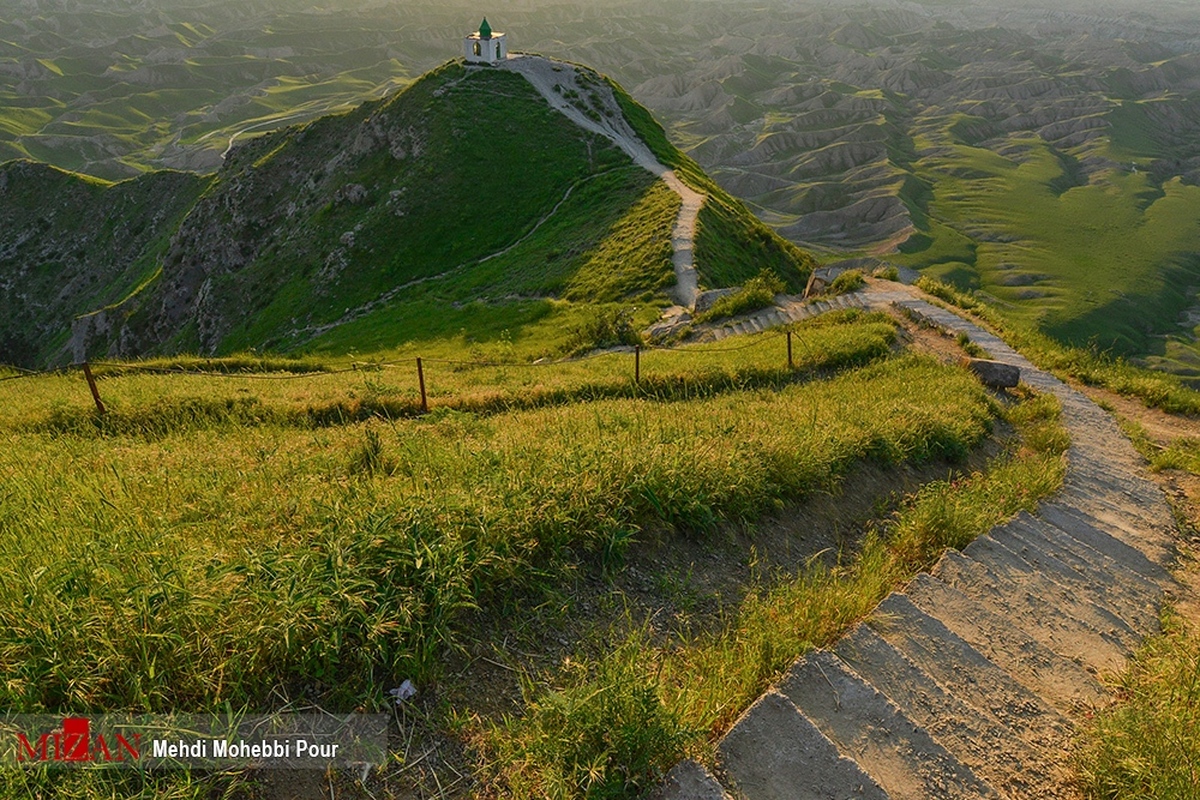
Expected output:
{"points": [[1109, 261]]}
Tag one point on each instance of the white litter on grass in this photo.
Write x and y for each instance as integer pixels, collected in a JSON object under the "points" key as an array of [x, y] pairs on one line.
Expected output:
{"points": [[406, 691]]}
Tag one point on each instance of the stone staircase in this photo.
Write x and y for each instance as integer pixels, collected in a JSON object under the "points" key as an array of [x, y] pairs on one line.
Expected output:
{"points": [[970, 681], [787, 309]]}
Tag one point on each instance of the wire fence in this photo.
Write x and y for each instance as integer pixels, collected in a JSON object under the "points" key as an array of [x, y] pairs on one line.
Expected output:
{"points": [[249, 373]]}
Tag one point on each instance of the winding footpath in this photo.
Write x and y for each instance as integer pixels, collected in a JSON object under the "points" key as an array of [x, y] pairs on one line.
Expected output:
{"points": [[969, 682], [559, 82]]}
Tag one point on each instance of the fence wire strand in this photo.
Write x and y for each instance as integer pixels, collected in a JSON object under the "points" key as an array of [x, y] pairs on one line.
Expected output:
{"points": [[134, 369], [127, 368]]}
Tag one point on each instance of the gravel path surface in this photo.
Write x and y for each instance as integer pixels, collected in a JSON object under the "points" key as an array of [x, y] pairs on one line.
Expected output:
{"points": [[970, 681]]}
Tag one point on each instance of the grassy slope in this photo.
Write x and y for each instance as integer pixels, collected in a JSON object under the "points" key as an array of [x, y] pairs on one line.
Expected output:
{"points": [[450, 201], [70, 244], [732, 245], [199, 581], [419, 217], [495, 495], [1108, 261], [461, 190]]}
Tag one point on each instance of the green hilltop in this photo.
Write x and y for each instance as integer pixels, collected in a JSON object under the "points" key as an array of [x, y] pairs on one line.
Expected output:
{"points": [[462, 203]]}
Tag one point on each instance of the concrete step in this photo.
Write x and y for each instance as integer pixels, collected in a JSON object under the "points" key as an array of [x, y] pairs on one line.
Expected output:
{"points": [[1099, 568], [1146, 528], [1131, 606], [1058, 680], [1044, 611], [775, 753], [1107, 460], [1007, 564], [1098, 536], [1131, 509], [1124, 499], [968, 674], [975, 737], [865, 725], [1108, 457]]}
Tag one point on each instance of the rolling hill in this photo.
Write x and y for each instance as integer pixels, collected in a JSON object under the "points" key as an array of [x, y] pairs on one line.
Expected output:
{"points": [[1004, 147], [464, 198]]}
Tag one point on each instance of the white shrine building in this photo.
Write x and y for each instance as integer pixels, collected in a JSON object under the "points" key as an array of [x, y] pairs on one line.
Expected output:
{"points": [[485, 46]]}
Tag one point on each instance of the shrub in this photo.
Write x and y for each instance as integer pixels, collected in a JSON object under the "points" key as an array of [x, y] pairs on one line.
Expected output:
{"points": [[603, 327], [759, 292], [849, 281]]}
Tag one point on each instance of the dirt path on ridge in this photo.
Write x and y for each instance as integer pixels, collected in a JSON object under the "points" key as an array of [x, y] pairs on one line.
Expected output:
{"points": [[559, 83]]}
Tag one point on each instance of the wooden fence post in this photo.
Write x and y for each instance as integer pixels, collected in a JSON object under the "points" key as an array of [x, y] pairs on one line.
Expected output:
{"points": [[789, 338], [421, 380], [87, 373]]}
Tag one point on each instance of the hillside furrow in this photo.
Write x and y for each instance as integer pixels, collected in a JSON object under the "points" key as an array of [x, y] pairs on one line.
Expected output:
{"points": [[969, 682]]}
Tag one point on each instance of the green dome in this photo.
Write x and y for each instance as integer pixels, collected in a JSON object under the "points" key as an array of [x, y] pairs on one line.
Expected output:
{"points": [[485, 30]]}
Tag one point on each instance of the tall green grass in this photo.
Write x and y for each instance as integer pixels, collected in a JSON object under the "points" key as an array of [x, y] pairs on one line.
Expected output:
{"points": [[174, 572], [142, 401], [297, 536], [1146, 745], [667, 700]]}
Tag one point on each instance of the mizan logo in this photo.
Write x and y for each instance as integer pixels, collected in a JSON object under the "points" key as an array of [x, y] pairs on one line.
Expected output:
{"points": [[76, 743]]}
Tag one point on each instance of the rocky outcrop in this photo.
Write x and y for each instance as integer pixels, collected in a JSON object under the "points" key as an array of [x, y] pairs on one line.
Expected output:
{"points": [[69, 246]]}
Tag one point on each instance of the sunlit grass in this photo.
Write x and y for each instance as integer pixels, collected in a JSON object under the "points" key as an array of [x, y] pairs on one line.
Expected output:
{"points": [[665, 700], [1146, 745], [207, 541], [313, 392]]}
